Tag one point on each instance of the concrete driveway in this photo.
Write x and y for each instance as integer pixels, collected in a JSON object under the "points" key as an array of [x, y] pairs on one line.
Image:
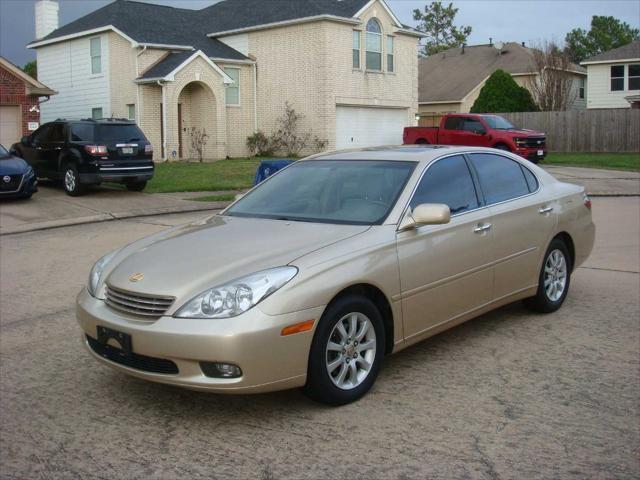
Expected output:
{"points": [[508, 395], [51, 207]]}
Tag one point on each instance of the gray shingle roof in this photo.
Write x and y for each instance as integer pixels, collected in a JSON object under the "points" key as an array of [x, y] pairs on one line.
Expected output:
{"points": [[625, 52], [450, 75], [150, 23], [166, 65]]}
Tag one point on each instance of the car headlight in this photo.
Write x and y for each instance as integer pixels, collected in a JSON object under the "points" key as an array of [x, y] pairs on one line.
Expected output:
{"points": [[30, 173], [238, 296], [96, 272]]}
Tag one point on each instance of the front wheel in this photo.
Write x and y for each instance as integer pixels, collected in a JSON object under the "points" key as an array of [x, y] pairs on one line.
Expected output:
{"points": [[136, 186], [71, 180], [553, 283], [346, 352]]}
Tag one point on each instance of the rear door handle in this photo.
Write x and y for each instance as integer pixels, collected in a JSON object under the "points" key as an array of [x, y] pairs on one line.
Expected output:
{"points": [[545, 210], [482, 227]]}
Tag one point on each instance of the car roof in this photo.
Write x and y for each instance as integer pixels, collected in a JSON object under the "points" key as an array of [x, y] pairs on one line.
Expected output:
{"points": [[401, 153]]}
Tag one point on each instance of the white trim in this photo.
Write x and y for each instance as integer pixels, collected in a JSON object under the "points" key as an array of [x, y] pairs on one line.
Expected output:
{"points": [[166, 46], [284, 23], [84, 33], [229, 60], [440, 102], [385, 6], [621, 60], [225, 78], [413, 33]]}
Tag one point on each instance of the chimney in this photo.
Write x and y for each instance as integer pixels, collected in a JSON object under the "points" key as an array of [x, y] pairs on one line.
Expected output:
{"points": [[46, 17], [490, 42], [523, 44]]}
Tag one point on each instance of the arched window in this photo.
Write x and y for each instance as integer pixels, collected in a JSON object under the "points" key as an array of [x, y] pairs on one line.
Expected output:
{"points": [[374, 45]]}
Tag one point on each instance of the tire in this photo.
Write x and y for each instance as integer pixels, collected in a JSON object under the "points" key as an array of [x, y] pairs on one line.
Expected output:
{"points": [[555, 270], [502, 147], [136, 186], [421, 141], [349, 380], [71, 180]]}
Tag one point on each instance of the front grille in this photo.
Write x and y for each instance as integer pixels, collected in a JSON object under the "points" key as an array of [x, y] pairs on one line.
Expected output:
{"points": [[12, 185], [149, 306], [535, 142], [138, 362]]}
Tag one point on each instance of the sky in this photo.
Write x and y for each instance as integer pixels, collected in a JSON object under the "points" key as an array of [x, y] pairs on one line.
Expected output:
{"points": [[530, 21]]}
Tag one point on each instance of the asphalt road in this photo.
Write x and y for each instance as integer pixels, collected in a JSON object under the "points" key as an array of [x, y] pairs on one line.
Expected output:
{"points": [[508, 395]]}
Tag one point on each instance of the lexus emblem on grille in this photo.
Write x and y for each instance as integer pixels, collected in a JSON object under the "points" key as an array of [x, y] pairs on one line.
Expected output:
{"points": [[136, 277], [6, 179]]}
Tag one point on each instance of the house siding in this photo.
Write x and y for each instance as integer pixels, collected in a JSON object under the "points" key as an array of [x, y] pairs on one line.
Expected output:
{"points": [[66, 68], [599, 94], [238, 42]]}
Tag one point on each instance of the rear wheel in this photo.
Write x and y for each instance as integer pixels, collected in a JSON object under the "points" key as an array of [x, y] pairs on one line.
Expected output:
{"points": [[71, 180], [555, 276], [136, 186], [421, 141], [346, 352]]}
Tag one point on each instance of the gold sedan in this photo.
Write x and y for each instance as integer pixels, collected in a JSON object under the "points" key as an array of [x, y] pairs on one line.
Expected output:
{"points": [[316, 274]]}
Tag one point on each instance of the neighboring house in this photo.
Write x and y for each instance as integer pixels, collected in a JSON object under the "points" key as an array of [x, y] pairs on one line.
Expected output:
{"points": [[613, 78], [348, 66], [19, 102], [450, 81]]}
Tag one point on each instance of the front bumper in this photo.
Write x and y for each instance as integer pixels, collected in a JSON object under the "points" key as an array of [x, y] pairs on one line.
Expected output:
{"points": [[252, 341], [96, 178], [28, 186], [532, 154]]}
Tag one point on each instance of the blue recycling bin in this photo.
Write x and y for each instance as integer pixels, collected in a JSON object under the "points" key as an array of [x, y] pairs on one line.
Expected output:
{"points": [[268, 168]]}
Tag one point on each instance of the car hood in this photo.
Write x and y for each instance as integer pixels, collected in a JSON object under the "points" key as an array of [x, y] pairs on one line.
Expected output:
{"points": [[187, 260], [12, 165], [524, 132]]}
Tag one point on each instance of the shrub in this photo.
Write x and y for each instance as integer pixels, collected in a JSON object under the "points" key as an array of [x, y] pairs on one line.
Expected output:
{"points": [[502, 94], [260, 144], [198, 142]]}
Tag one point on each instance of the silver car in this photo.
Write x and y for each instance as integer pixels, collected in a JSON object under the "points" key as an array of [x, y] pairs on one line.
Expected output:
{"points": [[316, 274]]}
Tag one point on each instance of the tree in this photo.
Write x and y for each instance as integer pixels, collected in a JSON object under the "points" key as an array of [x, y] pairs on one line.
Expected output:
{"points": [[501, 93], [437, 23], [31, 69], [198, 142], [552, 85], [605, 34]]}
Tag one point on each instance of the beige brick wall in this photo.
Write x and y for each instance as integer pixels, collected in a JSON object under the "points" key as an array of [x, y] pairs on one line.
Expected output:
{"points": [[122, 72], [240, 119]]}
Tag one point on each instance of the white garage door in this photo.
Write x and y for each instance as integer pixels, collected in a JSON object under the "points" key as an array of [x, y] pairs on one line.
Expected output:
{"points": [[358, 127], [10, 125]]}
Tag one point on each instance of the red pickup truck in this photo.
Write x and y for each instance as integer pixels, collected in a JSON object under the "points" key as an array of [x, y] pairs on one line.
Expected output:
{"points": [[480, 131]]}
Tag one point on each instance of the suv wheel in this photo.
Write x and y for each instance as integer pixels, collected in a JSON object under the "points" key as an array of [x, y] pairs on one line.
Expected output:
{"points": [[71, 180], [136, 186]]}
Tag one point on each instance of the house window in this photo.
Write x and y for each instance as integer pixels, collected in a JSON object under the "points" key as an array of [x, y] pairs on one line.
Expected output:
{"points": [[390, 65], [581, 89], [96, 55], [96, 113], [131, 111], [617, 78], [374, 45], [356, 49], [233, 90], [634, 77]]}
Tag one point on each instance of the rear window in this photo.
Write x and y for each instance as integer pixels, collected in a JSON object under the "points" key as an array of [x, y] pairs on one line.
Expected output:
{"points": [[82, 132], [119, 133], [501, 178]]}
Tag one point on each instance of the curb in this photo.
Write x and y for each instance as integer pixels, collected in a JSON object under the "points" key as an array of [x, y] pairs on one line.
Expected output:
{"points": [[109, 217]]}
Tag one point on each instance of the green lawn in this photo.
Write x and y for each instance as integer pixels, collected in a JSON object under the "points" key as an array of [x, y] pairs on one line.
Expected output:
{"points": [[234, 174], [614, 161]]}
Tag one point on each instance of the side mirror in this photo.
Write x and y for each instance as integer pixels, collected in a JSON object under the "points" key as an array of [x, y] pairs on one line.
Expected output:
{"points": [[426, 214], [24, 141]]}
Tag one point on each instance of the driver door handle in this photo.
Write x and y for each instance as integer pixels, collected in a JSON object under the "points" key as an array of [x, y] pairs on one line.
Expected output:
{"points": [[545, 210], [482, 227]]}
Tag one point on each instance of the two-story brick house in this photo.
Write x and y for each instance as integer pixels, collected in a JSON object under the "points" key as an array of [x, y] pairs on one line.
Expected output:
{"points": [[348, 66]]}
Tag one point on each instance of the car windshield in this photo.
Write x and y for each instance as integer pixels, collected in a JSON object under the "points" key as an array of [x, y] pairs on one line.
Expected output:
{"points": [[498, 123], [119, 133], [354, 192], [3, 152]]}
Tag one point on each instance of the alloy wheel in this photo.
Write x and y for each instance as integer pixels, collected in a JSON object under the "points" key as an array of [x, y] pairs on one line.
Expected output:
{"points": [[555, 275], [351, 351], [70, 180]]}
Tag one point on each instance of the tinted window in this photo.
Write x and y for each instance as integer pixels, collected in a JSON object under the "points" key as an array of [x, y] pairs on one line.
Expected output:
{"points": [[119, 133], [472, 125], [453, 123], [532, 181], [500, 178], [41, 134], [498, 123], [82, 132], [447, 181], [56, 133]]}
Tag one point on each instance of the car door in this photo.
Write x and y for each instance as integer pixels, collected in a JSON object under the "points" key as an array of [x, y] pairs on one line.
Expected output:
{"points": [[32, 151], [51, 147], [523, 220], [475, 132], [445, 270]]}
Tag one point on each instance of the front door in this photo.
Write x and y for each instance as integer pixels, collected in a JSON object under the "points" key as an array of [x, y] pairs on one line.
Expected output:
{"points": [[445, 269], [522, 221]]}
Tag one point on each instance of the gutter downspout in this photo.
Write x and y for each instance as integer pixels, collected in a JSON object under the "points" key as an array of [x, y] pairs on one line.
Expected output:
{"points": [[164, 120], [138, 105], [255, 97]]}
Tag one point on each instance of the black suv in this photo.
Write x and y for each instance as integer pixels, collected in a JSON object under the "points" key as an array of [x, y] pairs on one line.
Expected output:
{"points": [[88, 152]]}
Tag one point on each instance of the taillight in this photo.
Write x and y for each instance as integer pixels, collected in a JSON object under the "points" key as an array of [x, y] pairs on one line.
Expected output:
{"points": [[96, 149], [586, 200], [148, 149]]}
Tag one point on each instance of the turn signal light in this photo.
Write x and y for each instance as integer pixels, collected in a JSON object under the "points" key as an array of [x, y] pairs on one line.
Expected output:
{"points": [[587, 201], [297, 328], [95, 149]]}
